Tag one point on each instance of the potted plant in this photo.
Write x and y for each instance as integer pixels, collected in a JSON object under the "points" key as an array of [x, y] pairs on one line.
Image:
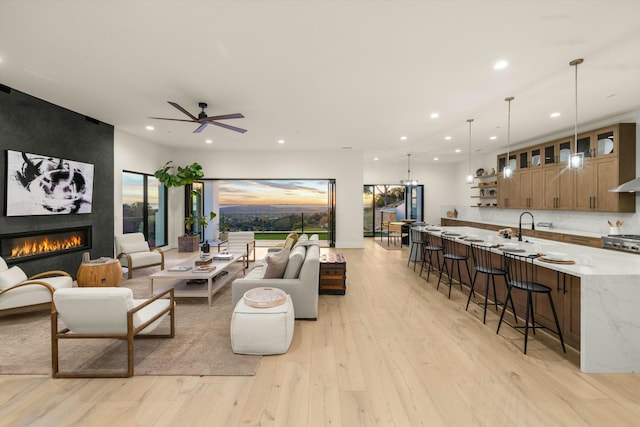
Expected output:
{"points": [[223, 227], [190, 242], [177, 176]]}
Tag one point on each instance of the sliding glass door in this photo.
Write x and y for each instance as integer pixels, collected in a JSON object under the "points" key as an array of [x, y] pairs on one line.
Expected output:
{"points": [[390, 202]]}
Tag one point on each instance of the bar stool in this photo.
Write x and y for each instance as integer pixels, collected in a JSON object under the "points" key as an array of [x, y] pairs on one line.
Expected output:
{"points": [[418, 240], [430, 250], [521, 275], [485, 263], [448, 253]]}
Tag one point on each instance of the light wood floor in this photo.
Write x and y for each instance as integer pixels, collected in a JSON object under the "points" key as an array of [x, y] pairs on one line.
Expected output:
{"points": [[393, 351]]}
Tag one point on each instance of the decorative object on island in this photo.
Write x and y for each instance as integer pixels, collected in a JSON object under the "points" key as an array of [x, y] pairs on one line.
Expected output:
{"points": [[177, 176], [409, 182], [508, 170], [576, 161]]}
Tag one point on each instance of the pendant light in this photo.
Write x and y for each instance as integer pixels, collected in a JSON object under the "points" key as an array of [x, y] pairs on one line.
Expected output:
{"points": [[469, 175], [576, 160], [409, 182], [508, 171]]}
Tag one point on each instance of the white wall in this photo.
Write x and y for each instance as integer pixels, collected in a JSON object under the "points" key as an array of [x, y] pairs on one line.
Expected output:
{"points": [[138, 155]]}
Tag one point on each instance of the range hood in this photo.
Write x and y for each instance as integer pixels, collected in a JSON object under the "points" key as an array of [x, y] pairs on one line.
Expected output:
{"points": [[628, 187]]}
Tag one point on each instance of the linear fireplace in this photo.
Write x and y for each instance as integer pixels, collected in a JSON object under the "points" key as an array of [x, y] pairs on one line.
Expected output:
{"points": [[31, 245]]}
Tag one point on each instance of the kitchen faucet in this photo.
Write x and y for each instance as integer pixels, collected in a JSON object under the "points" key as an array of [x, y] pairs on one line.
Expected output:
{"points": [[533, 224]]}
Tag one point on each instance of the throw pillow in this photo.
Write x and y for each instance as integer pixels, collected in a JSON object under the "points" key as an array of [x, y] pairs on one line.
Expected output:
{"points": [[291, 240], [276, 264], [133, 247], [296, 258], [11, 277]]}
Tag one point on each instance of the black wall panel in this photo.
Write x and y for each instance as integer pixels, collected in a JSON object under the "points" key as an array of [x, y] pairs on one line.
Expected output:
{"points": [[32, 125]]}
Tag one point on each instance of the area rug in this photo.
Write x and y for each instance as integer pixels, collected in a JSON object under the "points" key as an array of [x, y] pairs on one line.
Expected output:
{"points": [[201, 346]]}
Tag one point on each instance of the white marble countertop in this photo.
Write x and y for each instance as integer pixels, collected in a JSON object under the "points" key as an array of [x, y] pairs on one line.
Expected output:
{"points": [[527, 226], [589, 261]]}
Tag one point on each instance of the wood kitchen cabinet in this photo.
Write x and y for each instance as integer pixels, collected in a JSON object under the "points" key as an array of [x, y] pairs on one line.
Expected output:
{"points": [[558, 188], [609, 160], [531, 192]]}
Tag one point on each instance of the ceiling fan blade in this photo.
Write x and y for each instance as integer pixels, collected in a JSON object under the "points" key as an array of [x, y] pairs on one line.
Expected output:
{"points": [[233, 128], [173, 120], [201, 128], [225, 116], [183, 110]]}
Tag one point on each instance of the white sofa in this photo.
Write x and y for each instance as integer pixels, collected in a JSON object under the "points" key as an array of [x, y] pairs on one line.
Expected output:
{"points": [[301, 282], [17, 291]]}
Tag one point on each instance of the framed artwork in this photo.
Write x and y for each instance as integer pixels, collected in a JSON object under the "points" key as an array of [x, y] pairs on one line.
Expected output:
{"points": [[44, 185]]}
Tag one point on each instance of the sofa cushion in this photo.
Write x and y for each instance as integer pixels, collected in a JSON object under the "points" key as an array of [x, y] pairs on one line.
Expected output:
{"points": [[291, 240], [3, 265], [11, 277], [296, 258], [133, 247], [275, 264]]}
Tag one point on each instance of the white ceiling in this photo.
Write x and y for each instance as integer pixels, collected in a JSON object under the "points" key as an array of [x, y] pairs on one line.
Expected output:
{"points": [[329, 74]]}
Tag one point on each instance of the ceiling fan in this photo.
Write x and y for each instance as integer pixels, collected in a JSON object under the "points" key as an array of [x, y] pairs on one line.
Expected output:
{"points": [[204, 120]]}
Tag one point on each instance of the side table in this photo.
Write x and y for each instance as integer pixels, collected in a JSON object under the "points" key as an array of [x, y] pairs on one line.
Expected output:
{"points": [[333, 274], [100, 274]]}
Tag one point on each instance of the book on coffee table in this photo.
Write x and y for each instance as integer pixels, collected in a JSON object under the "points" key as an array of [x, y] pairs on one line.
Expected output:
{"points": [[180, 268], [204, 269]]}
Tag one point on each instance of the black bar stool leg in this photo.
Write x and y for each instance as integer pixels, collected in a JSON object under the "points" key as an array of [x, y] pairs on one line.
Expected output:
{"points": [[555, 317]]}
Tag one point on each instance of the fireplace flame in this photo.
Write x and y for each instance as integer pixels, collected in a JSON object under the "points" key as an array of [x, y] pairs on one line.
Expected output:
{"points": [[44, 245]]}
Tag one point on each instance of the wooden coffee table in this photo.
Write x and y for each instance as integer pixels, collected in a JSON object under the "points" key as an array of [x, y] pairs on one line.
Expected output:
{"points": [[225, 271]]}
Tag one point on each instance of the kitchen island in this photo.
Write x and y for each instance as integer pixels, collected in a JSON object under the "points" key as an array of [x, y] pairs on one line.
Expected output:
{"points": [[608, 303]]}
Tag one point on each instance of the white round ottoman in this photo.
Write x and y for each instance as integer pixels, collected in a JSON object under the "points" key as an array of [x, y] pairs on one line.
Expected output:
{"points": [[262, 331]]}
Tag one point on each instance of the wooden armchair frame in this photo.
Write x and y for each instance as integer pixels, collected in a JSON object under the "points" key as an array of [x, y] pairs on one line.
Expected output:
{"points": [[32, 280], [129, 336]]}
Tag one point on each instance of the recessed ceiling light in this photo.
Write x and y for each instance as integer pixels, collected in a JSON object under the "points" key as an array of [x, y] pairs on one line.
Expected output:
{"points": [[375, 158], [493, 137], [149, 128], [403, 138], [500, 65], [208, 141], [281, 141], [554, 115], [435, 158], [346, 148], [448, 138], [434, 115], [458, 150], [608, 96]]}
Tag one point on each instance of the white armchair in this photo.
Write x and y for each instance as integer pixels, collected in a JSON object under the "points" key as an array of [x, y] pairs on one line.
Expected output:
{"points": [[107, 313], [242, 242], [19, 292], [133, 252]]}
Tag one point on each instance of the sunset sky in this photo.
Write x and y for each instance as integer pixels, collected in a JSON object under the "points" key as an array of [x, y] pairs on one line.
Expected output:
{"points": [[246, 192], [259, 192]]}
